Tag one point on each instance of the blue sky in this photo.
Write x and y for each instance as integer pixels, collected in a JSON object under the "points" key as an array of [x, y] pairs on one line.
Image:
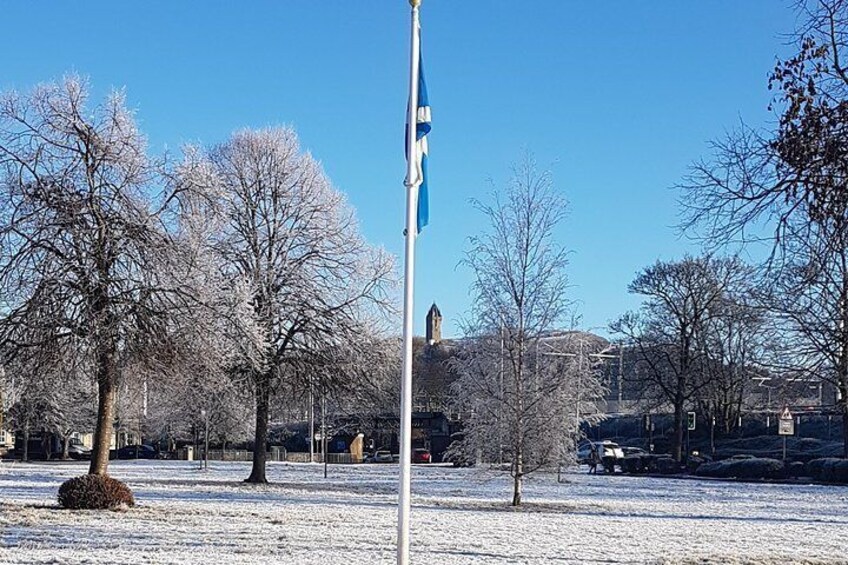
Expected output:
{"points": [[617, 98]]}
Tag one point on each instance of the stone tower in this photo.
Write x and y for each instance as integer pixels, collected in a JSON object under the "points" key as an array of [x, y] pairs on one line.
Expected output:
{"points": [[434, 325]]}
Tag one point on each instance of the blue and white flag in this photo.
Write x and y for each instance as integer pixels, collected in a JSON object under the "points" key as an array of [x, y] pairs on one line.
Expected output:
{"points": [[422, 128]]}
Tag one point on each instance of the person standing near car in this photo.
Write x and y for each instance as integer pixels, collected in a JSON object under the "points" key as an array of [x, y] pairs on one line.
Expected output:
{"points": [[593, 459]]}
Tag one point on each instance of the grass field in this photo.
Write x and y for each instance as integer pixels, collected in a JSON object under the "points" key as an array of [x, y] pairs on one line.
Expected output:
{"points": [[184, 515]]}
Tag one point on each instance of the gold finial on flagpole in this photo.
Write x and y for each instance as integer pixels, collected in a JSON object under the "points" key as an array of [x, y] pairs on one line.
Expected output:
{"points": [[414, 3]]}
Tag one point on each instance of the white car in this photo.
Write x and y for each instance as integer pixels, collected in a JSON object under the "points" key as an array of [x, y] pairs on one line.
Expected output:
{"points": [[382, 456], [609, 453]]}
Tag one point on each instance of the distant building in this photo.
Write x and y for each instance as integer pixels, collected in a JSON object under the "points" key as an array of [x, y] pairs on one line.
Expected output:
{"points": [[434, 325]]}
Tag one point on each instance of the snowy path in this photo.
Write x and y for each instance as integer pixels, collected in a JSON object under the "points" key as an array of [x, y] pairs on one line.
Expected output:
{"points": [[459, 516]]}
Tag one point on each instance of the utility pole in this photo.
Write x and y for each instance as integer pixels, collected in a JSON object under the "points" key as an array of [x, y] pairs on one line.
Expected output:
{"points": [[324, 427], [620, 374], [206, 442], [206, 447], [311, 421], [712, 436], [500, 402]]}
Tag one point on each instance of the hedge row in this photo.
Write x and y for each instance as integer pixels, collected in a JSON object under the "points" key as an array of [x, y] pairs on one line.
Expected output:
{"points": [[829, 470], [662, 464], [757, 468]]}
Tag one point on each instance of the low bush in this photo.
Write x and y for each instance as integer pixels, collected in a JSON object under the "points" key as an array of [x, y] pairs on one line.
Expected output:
{"points": [[829, 470], [636, 464], [755, 468], [796, 469], [693, 462], [711, 469], [668, 466], [814, 468], [94, 492]]}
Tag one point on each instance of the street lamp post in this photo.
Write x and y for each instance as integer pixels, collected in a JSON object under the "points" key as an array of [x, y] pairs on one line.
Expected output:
{"points": [[204, 462], [324, 428], [311, 421]]}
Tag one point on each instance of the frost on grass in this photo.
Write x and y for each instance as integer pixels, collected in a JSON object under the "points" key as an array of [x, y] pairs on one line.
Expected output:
{"points": [[459, 516]]}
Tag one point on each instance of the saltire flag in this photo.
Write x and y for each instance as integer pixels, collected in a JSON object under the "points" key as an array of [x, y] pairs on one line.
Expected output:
{"points": [[422, 128]]}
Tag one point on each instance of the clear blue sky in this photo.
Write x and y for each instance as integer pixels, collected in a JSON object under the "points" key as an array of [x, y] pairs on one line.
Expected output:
{"points": [[616, 97]]}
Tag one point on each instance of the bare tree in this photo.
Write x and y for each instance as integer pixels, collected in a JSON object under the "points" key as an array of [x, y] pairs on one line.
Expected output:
{"points": [[736, 342], [788, 186], [289, 243], [681, 299], [519, 294]]}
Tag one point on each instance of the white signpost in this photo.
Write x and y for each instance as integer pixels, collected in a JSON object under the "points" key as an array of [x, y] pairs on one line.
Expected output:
{"points": [[785, 427], [786, 424]]}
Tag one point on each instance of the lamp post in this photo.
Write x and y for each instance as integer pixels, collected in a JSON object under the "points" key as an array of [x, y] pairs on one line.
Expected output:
{"points": [[311, 422], [204, 463], [324, 427]]}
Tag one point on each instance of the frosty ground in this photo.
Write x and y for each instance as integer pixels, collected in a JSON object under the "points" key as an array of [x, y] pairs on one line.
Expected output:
{"points": [[459, 516]]}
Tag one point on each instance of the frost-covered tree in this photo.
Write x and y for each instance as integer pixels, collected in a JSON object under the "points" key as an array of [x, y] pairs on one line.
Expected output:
{"points": [[50, 393], [86, 255], [507, 386], [532, 415], [287, 242]]}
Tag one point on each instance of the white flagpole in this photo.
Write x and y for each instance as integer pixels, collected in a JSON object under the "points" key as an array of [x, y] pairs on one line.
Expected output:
{"points": [[408, 285]]}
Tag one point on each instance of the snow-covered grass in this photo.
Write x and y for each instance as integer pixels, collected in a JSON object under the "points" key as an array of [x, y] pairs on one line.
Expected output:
{"points": [[459, 516]]}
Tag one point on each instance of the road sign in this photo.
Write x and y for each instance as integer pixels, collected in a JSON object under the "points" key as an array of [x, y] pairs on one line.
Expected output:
{"points": [[786, 424], [690, 420]]}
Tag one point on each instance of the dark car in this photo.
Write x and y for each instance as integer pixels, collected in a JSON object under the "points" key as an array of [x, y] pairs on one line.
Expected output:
{"points": [[137, 452], [628, 451], [421, 456], [76, 450]]}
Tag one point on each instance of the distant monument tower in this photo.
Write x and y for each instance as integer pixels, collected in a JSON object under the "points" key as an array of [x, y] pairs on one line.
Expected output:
{"points": [[434, 325]]}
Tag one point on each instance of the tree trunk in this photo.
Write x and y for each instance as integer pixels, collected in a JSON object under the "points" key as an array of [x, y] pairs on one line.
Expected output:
{"points": [[66, 442], [518, 464], [677, 448], [260, 439], [843, 407], [26, 443], [845, 430], [45, 445], [518, 468], [516, 488], [107, 392]]}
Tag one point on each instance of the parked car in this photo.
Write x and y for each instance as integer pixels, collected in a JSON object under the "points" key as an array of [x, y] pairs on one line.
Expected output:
{"points": [[76, 449], [382, 456], [583, 452], [627, 450], [421, 455], [609, 452], [137, 452]]}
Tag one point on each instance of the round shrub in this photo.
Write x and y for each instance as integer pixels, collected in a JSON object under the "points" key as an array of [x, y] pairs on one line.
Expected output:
{"points": [[634, 464], [796, 469], [814, 468], [834, 471], [668, 466], [759, 468], [840, 471], [94, 492], [711, 469]]}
